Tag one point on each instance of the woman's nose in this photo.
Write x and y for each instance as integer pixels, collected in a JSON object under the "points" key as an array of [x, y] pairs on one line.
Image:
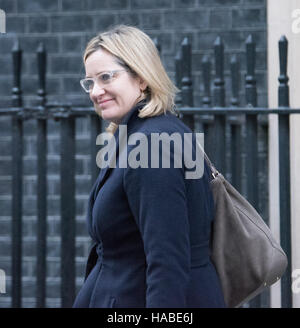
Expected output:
{"points": [[97, 91]]}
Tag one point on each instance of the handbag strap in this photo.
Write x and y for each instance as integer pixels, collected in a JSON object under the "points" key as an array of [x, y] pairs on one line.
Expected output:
{"points": [[214, 171]]}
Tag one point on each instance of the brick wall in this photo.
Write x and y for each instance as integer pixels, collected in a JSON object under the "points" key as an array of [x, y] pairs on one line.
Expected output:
{"points": [[65, 26]]}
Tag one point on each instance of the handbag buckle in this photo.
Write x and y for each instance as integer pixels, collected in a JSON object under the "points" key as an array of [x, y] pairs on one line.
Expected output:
{"points": [[215, 174]]}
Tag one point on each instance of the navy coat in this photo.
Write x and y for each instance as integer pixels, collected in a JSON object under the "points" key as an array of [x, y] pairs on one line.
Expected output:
{"points": [[151, 228]]}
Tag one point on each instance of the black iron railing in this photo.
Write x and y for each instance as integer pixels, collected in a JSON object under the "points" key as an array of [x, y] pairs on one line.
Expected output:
{"points": [[231, 141]]}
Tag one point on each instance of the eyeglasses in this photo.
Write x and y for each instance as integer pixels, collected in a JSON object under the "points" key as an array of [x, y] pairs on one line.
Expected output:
{"points": [[104, 78]]}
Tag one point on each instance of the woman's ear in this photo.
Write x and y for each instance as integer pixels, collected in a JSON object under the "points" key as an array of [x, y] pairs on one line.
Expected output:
{"points": [[143, 85]]}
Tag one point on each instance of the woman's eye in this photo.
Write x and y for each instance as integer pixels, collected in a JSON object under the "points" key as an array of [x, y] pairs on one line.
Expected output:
{"points": [[90, 84], [105, 77]]}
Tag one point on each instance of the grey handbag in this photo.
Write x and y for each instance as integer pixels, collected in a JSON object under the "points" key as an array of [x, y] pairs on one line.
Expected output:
{"points": [[246, 255]]}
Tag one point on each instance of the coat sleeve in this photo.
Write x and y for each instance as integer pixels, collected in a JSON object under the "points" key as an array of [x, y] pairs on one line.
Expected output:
{"points": [[157, 198]]}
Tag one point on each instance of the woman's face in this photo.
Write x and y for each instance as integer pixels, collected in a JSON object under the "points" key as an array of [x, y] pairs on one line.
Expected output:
{"points": [[113, 100]]}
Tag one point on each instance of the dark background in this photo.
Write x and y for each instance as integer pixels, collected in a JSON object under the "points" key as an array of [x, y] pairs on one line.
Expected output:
{"points": [[65, 26]]}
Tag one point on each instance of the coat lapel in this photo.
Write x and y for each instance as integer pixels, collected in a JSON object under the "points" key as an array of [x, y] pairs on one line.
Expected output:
{"points": [[104, 172]]}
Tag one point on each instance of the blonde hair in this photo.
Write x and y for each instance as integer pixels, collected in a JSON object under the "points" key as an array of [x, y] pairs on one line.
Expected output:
{"points": [[135, 50]]}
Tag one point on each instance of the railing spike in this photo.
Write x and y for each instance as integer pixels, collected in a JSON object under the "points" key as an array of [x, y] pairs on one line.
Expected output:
{"points": [[41, 47], [16, 46], [206, 69], [218, 41], [186, 82], [178, 76], [17, 68], [234, 68], [283, 89], [41, 62], [249, 39], [219, 91], [251, 94]]}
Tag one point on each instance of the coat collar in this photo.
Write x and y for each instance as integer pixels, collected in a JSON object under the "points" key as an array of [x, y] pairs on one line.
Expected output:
{"points": [[130, 114], [133, 113]]}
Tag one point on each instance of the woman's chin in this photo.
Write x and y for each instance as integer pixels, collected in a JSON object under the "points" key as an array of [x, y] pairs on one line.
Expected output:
{"points": [[101, 112], [105, 116]]}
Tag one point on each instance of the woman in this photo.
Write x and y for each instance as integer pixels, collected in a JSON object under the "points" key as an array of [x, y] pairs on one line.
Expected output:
{"points": [[151, 226]]}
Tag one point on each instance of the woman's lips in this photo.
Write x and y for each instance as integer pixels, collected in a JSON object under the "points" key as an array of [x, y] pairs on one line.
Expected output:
{"points": [[104, 101]]}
